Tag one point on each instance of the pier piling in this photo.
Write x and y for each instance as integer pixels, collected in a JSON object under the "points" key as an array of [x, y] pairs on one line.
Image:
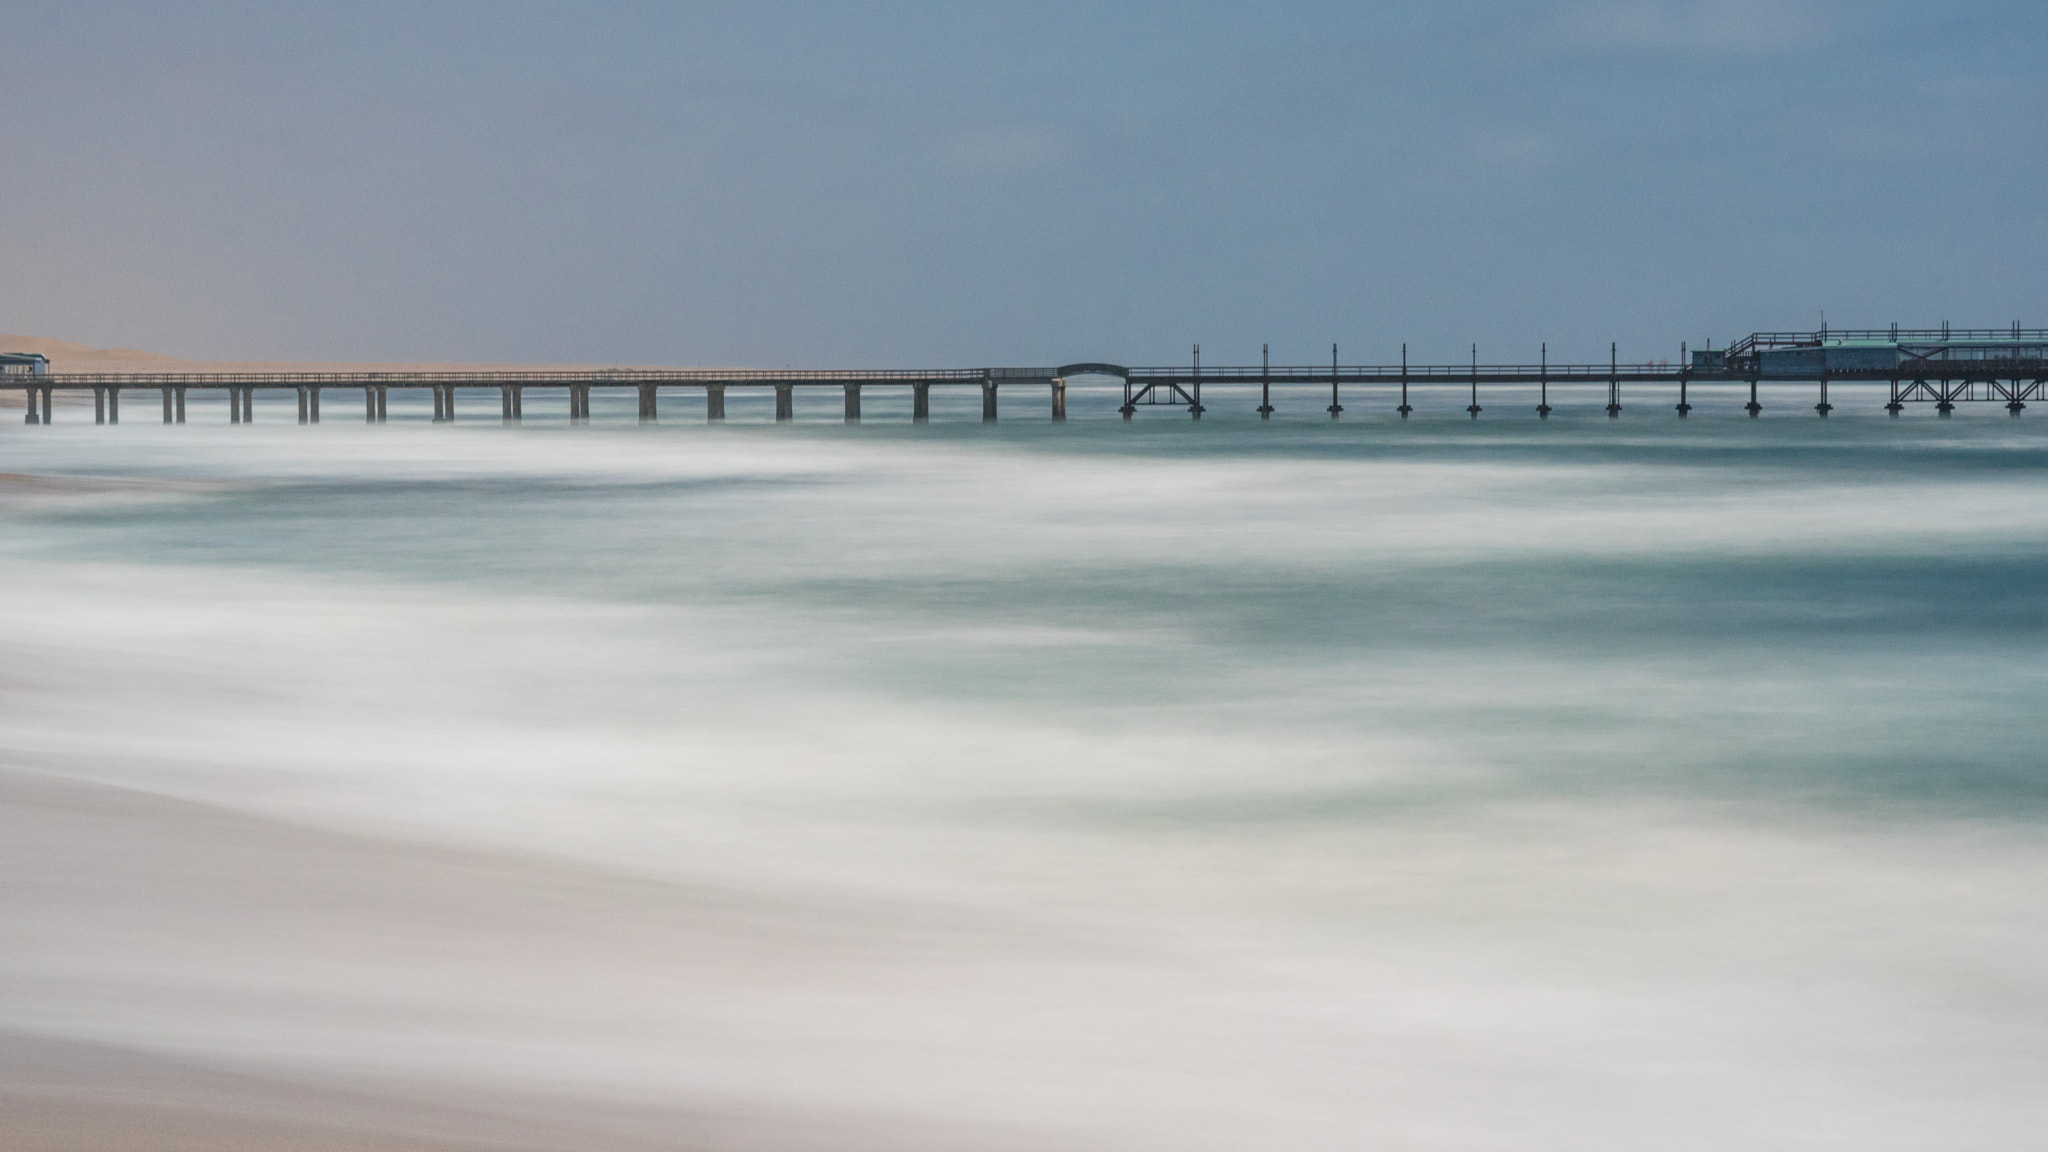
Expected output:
{"points": [[714, 403], [167, 404], [1059, 400], [853, 403], [920, 403], [1336, 409], [31, 416], [988, 400], [785, 403]]}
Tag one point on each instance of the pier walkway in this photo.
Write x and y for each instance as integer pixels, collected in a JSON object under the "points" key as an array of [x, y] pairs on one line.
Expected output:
{"points": [[1942, 367]]}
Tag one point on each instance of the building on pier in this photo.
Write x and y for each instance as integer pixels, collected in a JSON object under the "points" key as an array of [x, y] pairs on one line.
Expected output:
{"points": [[24, 364], [1878, 352]]}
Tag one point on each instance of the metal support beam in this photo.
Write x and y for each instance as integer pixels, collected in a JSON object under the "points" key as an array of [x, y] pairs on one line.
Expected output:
{"points": [[1823, 408], [1195, 400], [1474, 409], [1613, 382], [1335, 409], [1753, 408], [1130, 407], [1893, 406], [1684, 377], [1265, 382], [1404, 409], [1542, 381]]}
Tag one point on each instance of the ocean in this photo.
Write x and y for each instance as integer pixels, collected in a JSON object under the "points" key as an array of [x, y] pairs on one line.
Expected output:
{"points": [[1581, 785]]}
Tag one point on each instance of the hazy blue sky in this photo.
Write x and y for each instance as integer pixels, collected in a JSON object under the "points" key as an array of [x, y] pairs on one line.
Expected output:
{"points": [[885, 183]]}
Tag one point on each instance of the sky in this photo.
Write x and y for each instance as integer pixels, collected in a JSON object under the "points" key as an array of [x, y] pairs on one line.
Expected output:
{"points": [[948, 184]]}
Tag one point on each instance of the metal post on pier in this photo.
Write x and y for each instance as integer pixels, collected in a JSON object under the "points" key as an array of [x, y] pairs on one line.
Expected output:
{"points": [[1129, 409], [1613, 381], [1404, 409], [1543, 383], [785, 403], [1265, 381], [1684, 374], [988, 398], [853, 403], [714, 403], [1823, 407], [1474, 408], [1195, 406], [1336, 409], [1893, 406], [1753, 408]]}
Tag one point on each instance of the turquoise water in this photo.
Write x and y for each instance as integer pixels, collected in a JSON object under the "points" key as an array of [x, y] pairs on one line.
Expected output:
{"points": [[1580, 785]]}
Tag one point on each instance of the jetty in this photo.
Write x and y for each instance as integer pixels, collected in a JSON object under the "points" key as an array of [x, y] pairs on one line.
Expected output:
{"points": [[1937, 366]]}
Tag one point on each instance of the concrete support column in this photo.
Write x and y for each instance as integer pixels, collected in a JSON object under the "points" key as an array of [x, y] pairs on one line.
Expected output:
{"points": [[179, 398], [579, 403], [1059, 400], [439, 407], [305, 406], [648, 410], [32, 417], [988, 401], [518, 403], [1129, 409], [505, 403], [1752, 407], [369, 404], [853, 403], [167, 403], [114, 404], [920, 403], [714, 403], [314, 393], [1823, 408], [249, 404], [49, 403], [99, 405], [785, 403], [383, 404]]}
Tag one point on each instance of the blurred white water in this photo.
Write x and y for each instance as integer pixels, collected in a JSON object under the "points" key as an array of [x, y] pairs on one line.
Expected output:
{"points": [[1227, 787]]}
